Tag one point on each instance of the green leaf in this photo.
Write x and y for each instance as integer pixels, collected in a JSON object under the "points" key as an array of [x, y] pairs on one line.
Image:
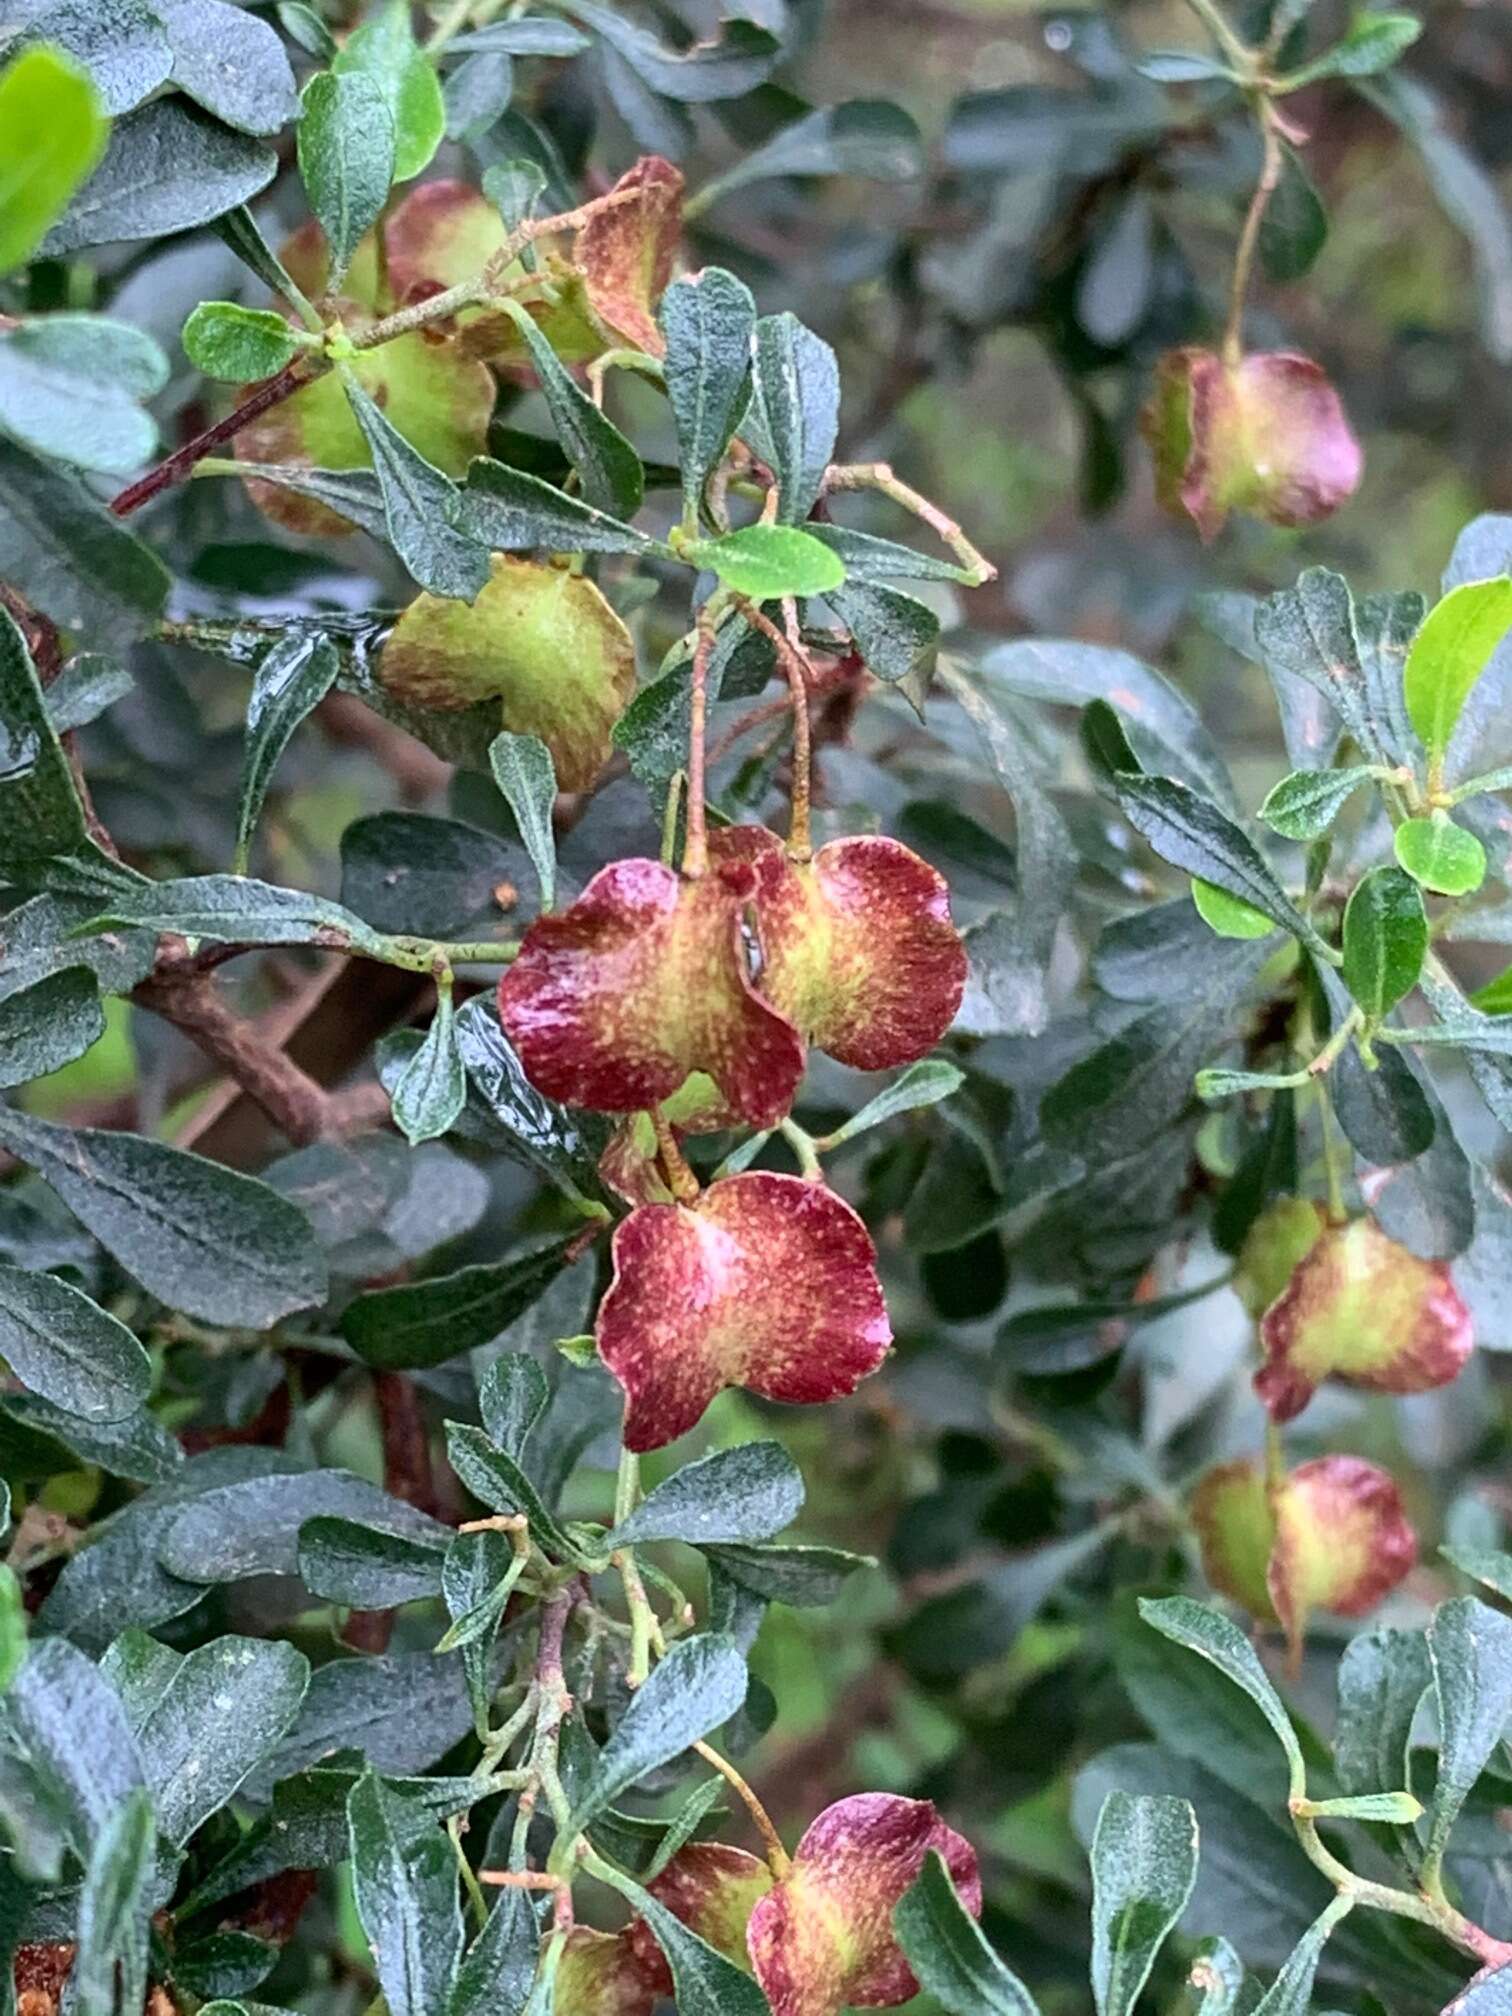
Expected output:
{"points": [[1144, 1863], [121, 46], [512, 1397], [1290, 1994], [225, 340], [699, 1685], [1470, 1646], [70, 387], [1218, 1083], [870, 559], [1191, 833], [12, 1610], [238, 229], [1294, 224], [1227, 916], [477, 1577], [509, 510], [52, 132], [421, 505], [1382, 1679], [1385, 939], [433, 1088], [41, 820], [526, 777], [1399, 1809], [1184, 66], [707, 318], [1304, 805], [1214, 1638], [1449, 654], [384, 48], [70, 1723], [495, 1477], [68, 1349], [404, 1882], [866, 136], [290, 682], [168, 167], [946, 1948], [608, 468], [1373, 44], [202, 1238], [500, 1965], [86, 688], [81, 566], [227, 909], [795, 410], [745, 1493], [49, 1024], [923, 1084], [513, 1116], [704, 1982], [253, 1526], [768, 562], [110, 1966], [806, 1578], [1440, 855], [226, 1707], [896, 634], [232, 63], [342, 1561], [425, 1323], [136, 1446]]}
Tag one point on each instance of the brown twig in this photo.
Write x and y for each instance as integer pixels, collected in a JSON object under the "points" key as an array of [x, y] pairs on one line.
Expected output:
{"points": [[175, 467]]}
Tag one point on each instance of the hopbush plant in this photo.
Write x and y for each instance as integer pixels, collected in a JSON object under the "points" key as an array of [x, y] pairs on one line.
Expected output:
{"points": [[776, 975]]}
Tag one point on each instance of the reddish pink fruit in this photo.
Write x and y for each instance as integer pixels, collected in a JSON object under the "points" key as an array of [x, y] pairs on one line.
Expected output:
{"points": [[822, 1939], [600, 1975], [767, 1282], [858, 949], [1266, 435], [613, 1002], [1331, 1535], [713, 1890], [1361, 1308]]}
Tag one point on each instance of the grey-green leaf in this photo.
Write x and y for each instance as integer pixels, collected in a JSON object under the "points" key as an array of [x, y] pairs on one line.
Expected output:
{"points": [[427, 1322], [169, 166], [226, 1707], [1304, 805], [344, 1561], [949, 1953], [202, 1238], [346, 158], [231, 62], [421, 506], [525, 774], [69, 1721], [707, 319], [433, 1088], [252, 1527], [45, 1026], [1212, 1637], [110, 1966], [404, 1880], [746, 1493], [795, 409], [69, 1349], [699, 1685], [1382, 1679], [1470, 1646], [81, 566], [290, 682], [1144, 1863], [509, 510], [607, 466]]}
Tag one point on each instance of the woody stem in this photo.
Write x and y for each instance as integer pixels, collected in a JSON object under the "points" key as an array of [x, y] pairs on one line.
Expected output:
{"points": [[696, 846]]}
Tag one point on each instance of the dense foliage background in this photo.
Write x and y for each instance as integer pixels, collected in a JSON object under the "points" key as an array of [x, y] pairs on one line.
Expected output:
{"points": [[304, 1254]]}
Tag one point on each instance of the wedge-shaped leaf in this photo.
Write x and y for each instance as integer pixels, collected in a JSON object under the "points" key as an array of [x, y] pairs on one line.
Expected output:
{"points": [[110, 1966], [1226, 915], [923, 1084], [346, 159], [81, 566], [1385, 939], [52, 132], [226, 1707], [608, 468], [290, 683], [948, 1952], [426, 1322], [495, 1477], [71, 387], [69, 1349], [1470, 1646], [343, 1561], [88, 685], [526, 776], [231, 62], [746, 1493], [1191, 833], [227, 341], [433, 1088], [795, 410], [1398, 1809], [1144, 1863], [70, 1723], [410, 1708], [252, 1527], [229, 908], [1304, 805], [45, 1026], [768, 562], [805, 1577], [404, 1880], [1383, 1677], [1214, 1638], [699, 1685], [384, 48], [509, 511], [706, 318], [169, 166], [499, 1967], [421, 505], [202, 1238], [1449, 654]]}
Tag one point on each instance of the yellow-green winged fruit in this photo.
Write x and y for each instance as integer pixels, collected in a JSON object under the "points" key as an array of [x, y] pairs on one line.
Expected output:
{"points": [[540, 642], [439, 399], [1276, 1244], [1236, 1531], [1361, 1308]]}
